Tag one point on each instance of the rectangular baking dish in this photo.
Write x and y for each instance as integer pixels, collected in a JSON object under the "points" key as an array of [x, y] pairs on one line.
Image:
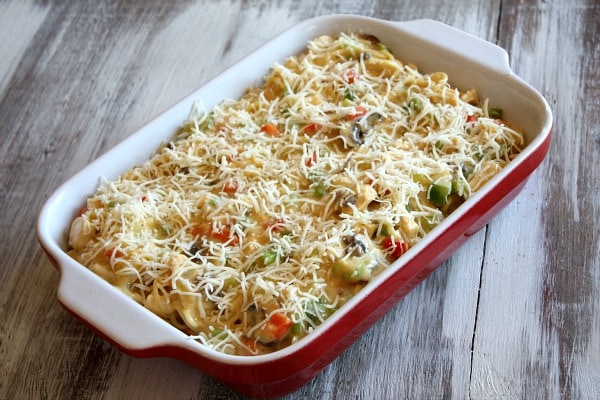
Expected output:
{"points": [[469, 62]]}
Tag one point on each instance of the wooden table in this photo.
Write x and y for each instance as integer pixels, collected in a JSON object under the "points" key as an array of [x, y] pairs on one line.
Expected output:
{"points": [[514, 314]]}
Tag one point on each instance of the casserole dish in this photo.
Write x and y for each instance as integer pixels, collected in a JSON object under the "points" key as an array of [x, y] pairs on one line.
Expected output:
{"points": [[468, 61]]}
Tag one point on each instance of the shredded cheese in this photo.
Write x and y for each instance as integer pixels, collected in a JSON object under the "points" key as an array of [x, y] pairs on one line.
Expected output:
{"points": [[265, 214]]}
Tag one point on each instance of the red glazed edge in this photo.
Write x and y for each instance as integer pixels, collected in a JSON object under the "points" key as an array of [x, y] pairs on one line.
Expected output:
{"points": [[287, 374]]}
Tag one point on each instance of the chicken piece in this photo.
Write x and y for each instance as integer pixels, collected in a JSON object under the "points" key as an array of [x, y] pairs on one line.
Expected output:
{"points": [[159, 302], [364, 196], [409, 227], [354, 269], [488, 170], [81, 233], [470, 96]]}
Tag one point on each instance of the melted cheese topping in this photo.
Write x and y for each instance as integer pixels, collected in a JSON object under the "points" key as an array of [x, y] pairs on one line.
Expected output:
{"points": [[265, 214]]}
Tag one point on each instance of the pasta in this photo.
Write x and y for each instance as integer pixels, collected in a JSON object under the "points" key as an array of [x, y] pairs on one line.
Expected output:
{"points": [[267, 213]]}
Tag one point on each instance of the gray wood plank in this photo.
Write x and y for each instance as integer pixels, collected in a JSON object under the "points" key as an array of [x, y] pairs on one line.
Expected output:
{"points": [[549, 344]]}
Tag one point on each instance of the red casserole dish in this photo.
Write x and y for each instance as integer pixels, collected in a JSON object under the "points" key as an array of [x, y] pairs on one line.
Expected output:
{"points": [[468, 61]]}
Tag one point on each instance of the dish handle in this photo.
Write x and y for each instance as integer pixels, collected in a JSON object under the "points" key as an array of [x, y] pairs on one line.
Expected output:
{"points": [[472, 48], [111, 315]]}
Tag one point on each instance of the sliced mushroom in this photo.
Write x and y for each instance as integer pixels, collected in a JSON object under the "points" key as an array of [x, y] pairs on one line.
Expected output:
{"points": [[370, 120], [357, 245], [195, 252], [357, 132], [346, 203]]}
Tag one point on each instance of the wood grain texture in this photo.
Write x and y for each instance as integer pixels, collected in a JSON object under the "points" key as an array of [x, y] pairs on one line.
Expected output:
{"points": [[514, 314]]}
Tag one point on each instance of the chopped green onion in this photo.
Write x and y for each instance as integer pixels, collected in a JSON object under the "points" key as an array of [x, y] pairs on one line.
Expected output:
{"points": [[297, 328], [385, 229], [415, 105], [220, 333], [494, 112], [421, 178], [438, 191], [353, 269], [349, 95], [269, 257], [347, 102], [459, 187], [320, 190]]}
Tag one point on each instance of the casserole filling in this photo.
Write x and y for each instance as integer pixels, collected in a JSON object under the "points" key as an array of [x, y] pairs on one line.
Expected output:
{"points": [[265, 214]]}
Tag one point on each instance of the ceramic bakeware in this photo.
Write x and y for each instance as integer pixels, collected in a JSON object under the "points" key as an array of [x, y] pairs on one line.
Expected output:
{"points": [[469, 62]]}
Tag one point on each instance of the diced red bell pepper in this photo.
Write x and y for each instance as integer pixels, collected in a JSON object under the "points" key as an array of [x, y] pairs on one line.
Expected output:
{"points": [[351, 75], [230, 187], [395, 247], [113, 252], [270, 130], [250, 344], [277, 326], [358, 112], [312, 128], [312, 160], [224, 235], [276, 225]]}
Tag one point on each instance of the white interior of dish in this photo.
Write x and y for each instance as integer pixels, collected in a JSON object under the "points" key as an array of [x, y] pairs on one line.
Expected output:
{"points": [[469, 62]]}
